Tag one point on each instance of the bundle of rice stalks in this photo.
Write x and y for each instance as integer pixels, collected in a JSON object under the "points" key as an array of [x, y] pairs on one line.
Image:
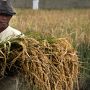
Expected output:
{"points": [[43, 65], [64, 64]]}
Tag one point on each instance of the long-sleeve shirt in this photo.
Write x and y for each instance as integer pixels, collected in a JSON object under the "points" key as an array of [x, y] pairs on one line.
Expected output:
{"points": [[9, 83], [9, 33]]}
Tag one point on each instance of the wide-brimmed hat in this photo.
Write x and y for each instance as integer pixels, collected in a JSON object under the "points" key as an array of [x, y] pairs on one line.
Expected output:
{"points": [[6, 8]]}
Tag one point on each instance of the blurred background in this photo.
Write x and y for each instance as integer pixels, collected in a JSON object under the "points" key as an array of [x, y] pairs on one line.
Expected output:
{"points": [[52, 4]]}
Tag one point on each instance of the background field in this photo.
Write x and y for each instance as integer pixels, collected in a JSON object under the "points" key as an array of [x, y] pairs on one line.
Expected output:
{"points": [[73, 24]]}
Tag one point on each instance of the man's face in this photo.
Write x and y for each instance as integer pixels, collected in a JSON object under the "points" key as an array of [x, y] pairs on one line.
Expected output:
{"points": [[4, 21]]}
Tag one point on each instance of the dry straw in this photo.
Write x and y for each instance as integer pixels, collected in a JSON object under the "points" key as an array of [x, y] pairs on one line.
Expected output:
{"points": [[44, 66]]}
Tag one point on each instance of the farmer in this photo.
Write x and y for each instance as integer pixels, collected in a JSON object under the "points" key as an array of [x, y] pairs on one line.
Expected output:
{"points": [[6, 13], [9, 81]]}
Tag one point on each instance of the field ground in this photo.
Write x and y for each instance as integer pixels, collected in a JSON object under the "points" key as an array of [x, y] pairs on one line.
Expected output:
{"points": [[73, 24]]}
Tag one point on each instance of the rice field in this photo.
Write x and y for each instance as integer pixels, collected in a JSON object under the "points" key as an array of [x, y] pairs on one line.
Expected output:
{"points": [[72, 24]]}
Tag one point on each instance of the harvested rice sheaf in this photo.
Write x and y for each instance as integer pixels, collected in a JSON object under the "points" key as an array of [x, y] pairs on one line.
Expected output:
{"points": [[44, 66]]}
